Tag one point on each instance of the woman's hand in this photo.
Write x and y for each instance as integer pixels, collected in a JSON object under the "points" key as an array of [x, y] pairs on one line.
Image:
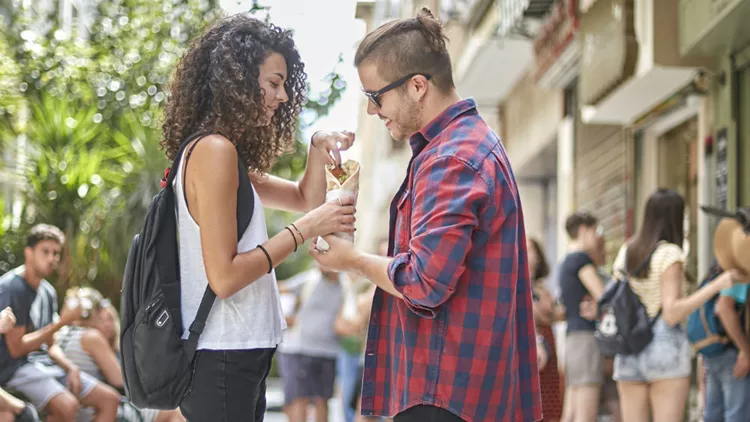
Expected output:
{"points": [[330, 144], [731, 277], [331, 217], [542, 357], [544, 312]]}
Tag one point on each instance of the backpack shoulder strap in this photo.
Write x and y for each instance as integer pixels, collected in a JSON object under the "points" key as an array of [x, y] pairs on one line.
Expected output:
{"points": [[178, 158], [245, 209]]}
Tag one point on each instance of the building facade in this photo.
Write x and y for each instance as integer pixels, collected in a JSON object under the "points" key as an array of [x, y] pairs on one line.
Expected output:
{"points": [[598, 103], [718, 30]]}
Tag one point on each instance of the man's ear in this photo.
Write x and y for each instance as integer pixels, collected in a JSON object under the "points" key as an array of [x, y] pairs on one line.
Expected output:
{"points": [[420, 84]]}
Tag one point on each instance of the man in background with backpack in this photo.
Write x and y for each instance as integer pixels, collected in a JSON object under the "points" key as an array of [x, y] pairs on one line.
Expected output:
{"points": [[728, 384]]}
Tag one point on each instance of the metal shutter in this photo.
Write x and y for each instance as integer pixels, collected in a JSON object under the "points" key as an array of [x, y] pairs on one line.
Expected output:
{"points": [[602, 181]]}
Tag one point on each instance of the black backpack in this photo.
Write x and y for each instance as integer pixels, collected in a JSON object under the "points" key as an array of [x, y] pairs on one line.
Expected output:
{"points": [[157, 365], [624, 327]]}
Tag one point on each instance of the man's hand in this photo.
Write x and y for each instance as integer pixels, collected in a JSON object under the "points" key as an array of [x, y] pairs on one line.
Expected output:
{"points": [[339, 257], [74, 381], [69, 315], [588, 309], [7, 320], [741, 365]]}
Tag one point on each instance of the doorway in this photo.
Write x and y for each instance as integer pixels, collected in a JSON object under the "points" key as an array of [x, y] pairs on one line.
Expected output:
{"points": [[678, 170]]}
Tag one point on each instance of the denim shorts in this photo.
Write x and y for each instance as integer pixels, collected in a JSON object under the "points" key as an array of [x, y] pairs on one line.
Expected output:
{"points": [[668, 356]]}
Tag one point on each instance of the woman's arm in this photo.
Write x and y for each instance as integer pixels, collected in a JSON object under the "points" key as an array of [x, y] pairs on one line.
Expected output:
{"points": [[94, 343], [211, 187], [310, 191], [676, 308]]}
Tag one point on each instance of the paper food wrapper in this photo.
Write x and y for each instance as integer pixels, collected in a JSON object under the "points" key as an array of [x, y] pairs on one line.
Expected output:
{"points": [[341, 182]]}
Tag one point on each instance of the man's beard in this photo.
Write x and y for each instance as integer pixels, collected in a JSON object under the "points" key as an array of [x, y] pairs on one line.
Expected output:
{"points": [[409, 120]]}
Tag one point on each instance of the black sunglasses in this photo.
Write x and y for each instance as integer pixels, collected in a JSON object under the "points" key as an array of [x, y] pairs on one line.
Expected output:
{"points": [[374, 96]]}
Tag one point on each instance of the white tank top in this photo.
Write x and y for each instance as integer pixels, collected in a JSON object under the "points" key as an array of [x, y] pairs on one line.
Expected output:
{"points": [[251, 318]]}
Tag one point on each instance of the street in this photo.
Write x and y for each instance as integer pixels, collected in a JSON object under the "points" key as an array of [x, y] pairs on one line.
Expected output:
{"points": [[275, 399]]}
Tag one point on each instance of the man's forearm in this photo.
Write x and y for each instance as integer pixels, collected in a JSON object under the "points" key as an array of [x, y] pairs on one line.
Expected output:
{"points": [[375, 269], [33, 341]]}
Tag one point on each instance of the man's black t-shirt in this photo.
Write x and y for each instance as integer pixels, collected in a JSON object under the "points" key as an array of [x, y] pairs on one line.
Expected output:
{"points": [[573, 291], [15, 293]]}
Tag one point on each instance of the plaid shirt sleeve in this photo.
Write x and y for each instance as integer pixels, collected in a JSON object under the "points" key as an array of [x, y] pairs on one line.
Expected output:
{"points": [[450, 194]]}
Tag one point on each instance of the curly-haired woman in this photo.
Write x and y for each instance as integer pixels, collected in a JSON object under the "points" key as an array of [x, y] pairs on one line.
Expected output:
{"points": [[241, 86]]}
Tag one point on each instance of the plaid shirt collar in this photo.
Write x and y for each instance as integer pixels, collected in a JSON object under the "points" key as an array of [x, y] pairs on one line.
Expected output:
{"points": [[427, 134]]}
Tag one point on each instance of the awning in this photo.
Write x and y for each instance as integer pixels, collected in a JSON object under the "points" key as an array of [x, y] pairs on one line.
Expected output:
{"points": [[709, 27]]}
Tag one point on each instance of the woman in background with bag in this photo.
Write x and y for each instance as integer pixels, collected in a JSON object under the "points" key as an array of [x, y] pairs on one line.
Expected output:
{"points": [[654, 383]]}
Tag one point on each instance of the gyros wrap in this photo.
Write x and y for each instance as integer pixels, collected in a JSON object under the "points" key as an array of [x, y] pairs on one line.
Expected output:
{"points": [[341, 182]]}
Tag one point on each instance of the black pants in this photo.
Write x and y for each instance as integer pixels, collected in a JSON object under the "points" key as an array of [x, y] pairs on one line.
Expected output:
{"points": [[423, 413], [228, 386]]}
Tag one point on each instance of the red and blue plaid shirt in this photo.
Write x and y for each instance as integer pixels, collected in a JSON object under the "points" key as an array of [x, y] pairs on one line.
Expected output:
{"points": [[463, 337]]}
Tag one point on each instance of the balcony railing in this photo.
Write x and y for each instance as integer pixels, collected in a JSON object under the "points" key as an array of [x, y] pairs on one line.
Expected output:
{"points": [[514, 13]]}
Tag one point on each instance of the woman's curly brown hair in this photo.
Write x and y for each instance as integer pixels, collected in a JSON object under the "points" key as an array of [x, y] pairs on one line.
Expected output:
{"points": [[215, 90]]}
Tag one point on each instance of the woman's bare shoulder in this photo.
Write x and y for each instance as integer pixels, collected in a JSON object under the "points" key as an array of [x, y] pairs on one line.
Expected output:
{"points": [[92, 338]]}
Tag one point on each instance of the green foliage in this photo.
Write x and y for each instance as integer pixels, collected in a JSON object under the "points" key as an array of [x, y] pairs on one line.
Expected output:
{"points": [[88, 114]]}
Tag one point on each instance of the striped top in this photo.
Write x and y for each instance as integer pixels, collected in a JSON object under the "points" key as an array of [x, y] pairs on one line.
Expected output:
{"points": [[69, 340], [649, 289], [43, 313]]}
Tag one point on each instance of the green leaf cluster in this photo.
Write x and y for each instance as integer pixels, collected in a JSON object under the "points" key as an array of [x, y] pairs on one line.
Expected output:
{"points": [[80, 109]]}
